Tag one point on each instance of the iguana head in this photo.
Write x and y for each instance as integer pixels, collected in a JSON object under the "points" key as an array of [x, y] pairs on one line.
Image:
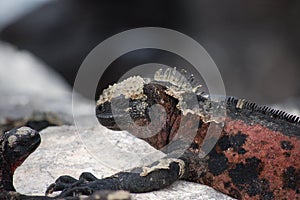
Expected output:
{"points": [[150, 109], [16, 145]]}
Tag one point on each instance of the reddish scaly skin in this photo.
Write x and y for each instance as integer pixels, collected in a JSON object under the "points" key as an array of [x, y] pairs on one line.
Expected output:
{"points": [[266, 145], [254, 163], [250, 161], [256, 155]]}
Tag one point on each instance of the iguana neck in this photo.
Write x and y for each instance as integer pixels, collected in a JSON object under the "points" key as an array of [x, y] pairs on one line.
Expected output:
{"points": [[6, 172], [6, 176], [239, 114]]}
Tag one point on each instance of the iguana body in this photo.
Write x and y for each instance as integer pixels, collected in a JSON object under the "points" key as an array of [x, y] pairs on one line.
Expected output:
{"points": [[256, 156]]}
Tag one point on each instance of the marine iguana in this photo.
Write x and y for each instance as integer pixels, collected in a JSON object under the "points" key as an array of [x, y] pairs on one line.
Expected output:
{"points": [[256, 155], [16, 145], [18, 139]]}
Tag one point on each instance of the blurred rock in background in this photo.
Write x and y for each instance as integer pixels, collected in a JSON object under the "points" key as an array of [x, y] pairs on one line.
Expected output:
{"points": [[255, 44]]}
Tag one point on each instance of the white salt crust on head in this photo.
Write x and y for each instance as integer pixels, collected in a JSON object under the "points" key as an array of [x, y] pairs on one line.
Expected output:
{"points": [[131, 88], [178, 86], [12, 140], [25, 131]]}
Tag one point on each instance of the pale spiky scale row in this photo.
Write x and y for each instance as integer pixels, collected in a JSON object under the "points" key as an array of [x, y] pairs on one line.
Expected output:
{"points": [[133, 86], [178, 86], [177, 79], [265, 110], [181, 88]]}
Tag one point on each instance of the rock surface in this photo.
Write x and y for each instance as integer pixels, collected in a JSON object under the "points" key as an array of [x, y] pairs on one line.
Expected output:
{"points": [[27, 85], [63, 152]]}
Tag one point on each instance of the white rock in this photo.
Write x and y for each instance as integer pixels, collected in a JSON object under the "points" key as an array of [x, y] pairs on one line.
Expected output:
{"points": [[62, 152]]}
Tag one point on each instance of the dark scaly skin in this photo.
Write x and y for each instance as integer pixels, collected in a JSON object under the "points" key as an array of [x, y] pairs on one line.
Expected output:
{"points": [[256, 156], [117, 195], [17, 142], [16, 145]]}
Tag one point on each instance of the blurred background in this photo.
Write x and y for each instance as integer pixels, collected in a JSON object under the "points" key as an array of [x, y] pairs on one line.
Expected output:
{"points": [[255, 44]]}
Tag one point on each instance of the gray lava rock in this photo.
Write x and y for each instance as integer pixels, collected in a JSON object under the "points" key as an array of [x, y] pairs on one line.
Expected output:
{"points": [[27, 85], [63, 152]]}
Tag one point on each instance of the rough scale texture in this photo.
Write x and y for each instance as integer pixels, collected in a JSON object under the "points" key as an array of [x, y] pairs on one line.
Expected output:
{"points": [[15, 146], [255, 157], [56, 155]]}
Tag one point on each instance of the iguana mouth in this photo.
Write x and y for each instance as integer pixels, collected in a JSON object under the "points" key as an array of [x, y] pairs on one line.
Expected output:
{"points": [[35, 144], [26, 150], [25, 147], [30, 149]]}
